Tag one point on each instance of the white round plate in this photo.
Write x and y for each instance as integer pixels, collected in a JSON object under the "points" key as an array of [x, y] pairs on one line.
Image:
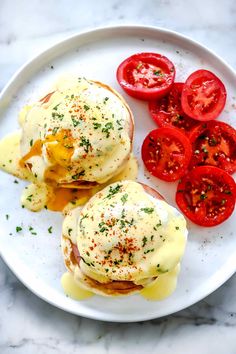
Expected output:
{"points": [[210, 257]]}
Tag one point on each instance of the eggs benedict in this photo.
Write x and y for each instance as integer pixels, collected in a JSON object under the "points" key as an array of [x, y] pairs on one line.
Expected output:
{"points": [[126, 239], [78, 136], [79, 133]]}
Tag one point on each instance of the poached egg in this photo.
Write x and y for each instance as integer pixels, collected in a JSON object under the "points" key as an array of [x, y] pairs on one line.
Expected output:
{"points": [[126, 239]]}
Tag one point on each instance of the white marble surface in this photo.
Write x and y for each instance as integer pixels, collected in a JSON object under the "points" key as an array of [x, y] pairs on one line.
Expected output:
{"points": [[27, 324]]}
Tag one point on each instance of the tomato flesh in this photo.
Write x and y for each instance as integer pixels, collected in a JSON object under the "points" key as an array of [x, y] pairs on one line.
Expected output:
{"points": [[206, 195], [168, 111], [214, 143], [146, 75], [204, 96], [166, 153]]}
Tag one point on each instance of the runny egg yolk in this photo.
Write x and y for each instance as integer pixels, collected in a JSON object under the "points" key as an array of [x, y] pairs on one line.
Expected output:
{"points": [[59, 149], [37, 195]]}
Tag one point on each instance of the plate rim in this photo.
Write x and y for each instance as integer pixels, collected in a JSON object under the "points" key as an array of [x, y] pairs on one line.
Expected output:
{"points": [[49, 49]]}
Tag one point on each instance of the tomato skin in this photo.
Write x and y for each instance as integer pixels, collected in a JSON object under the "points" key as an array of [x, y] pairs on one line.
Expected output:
{"points": [[206, 195], [166, 153], [146, 76], [204, 96], [168, 111], [214, 143]]}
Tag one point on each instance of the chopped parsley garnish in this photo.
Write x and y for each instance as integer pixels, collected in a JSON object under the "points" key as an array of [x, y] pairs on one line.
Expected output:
{"points": [[122, 223], [108, 126], [117, 262], [57, 116], [86, 107], [203, 196], [77, 175], [55, 108], [124, 198], [7, 216], [54, 131], [29, 198], [15, 181], [177, 227], [157, 225], [69, 232], [18, 228], [102, 227], [105, 100], [31, 229], [148, 210], [85, 143], [130, 223], [75, 121], [148, 251], [50, 230], [97, 125], [123, 214], [84, 217], [80, 222], [31, 142], [144, 241], [119, 123], [113, 191]]}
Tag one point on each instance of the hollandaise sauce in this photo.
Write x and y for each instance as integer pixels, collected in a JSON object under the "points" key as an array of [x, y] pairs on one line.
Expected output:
{"points": [[162, 287], [10, 157], [72, 289]]}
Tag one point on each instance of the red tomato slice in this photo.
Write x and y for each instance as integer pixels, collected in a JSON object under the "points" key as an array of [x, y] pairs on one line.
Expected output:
{"points": [[206, 195], [204, 95], [146, 76], [166, 153], [214, 143], [168, 110]]}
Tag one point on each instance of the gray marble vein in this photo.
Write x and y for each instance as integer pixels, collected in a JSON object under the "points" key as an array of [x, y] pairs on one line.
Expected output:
{"points": [[28, 325]]}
